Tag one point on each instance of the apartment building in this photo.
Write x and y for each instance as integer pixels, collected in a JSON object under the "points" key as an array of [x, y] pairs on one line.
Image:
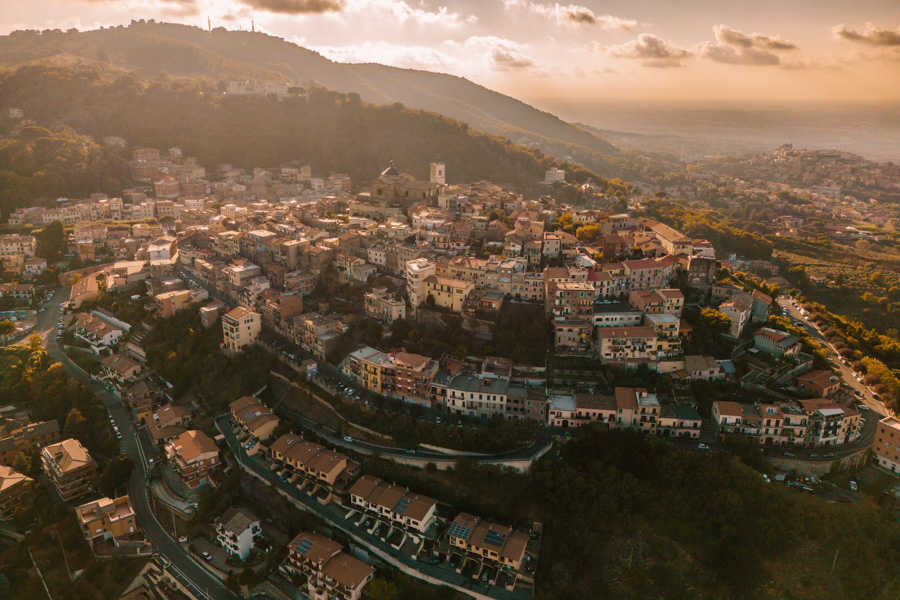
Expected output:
{"points": [[317, 334], [417, 272], [393, 503], [237, 532], [308, 458], [575, 410], [626, 343], [106, 519], [329, 572], [570, 299], [886, 447], [703, 368], [402, 375], [15, 492], [679, 421], [253, 418], [447, 293], [477, 395], [69, 468], [167, 423], [499, 544], [776, 342], [572, 335], [829, 424], [97, 332], [819, 383], [240, 328], [384, 307], [193, 455], [23, 438], [616, 314]]}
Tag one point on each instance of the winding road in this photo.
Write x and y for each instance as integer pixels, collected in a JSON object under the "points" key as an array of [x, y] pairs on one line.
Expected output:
{"points": [[183, 566]]}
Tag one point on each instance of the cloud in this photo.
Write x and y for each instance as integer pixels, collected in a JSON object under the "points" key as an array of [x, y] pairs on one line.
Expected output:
{"points": [[871, 35], [400, 11], [734, 47], [506, 59], [653, 50], [409, 57], [296, 7], [572, 14], [172, 8]]}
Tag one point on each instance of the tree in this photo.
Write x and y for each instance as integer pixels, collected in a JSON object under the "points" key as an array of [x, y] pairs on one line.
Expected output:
{"points": [[76, 426], [382, 589], [51, 242], [115, 475], [715, 321], [6, 328]]}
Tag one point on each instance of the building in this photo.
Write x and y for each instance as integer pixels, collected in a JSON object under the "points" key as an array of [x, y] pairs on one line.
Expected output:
{"points": [[329, 573], [254, 418], [499, 544], [567, 410], [447, 293], [107, 519], [384, 307], [69, 468], [15, 492], [626, 343], [679, 421], [886, 448], [193, 455], [168, 422], [417, 271], [240, 328], [32, 435], [703, 368], [308, 458], [739, 310], [776, 342], [394, 503], [573, 335], [237, 531], [477, 395], [168, 303], [820, 383]]}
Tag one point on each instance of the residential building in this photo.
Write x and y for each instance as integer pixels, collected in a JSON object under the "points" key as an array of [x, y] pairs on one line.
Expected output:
{"points": [[477, 395], [237, 531], [393, 503], [819, 383], [417, 271], [575, 410], [384, 307], [738, 309], [616, 314], [329, 573], [168, 422], [886, 446], [573, 335], [193, 455], [499, 544], [107, 519], [15, 492], [447, 293], [776, 342], [626, 343], [679, 421], [254, 418], [703, 368], [240, 328], [23, 438], [308, 458], [69, 468]]}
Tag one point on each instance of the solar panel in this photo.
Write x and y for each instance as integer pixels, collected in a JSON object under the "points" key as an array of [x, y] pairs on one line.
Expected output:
{"points": [[303, 546], [493, 538], [402, 505], [457, 530]]}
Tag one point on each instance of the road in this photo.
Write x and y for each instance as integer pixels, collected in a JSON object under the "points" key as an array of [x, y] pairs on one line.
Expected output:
{"points": [[184, 567], [845, 372]]}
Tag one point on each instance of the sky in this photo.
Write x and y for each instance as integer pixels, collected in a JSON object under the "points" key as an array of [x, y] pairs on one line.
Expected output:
{"points": [[664, 51]]}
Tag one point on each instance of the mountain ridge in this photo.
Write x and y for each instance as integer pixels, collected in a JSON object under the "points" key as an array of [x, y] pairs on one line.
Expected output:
{"points": [[152, 49]]}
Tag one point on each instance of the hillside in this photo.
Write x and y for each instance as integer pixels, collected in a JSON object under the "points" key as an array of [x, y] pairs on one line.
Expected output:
{"points": [[151, 49], [74, 108]]}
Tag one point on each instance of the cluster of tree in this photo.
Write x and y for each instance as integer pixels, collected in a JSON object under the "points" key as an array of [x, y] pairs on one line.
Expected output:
{"points": [[188, 356], [719, 229], [28, 377], [39, 163], [721, 531], [334, 132]]}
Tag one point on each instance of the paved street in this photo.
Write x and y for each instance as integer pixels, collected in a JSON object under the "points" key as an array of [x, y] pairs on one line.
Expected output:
{"points": [[845, 372], [183, 566]]}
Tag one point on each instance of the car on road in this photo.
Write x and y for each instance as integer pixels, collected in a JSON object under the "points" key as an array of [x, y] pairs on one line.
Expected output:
{"points": [[182, 539], [853, 486], [206, 556], [702, 446], [348, 439]]}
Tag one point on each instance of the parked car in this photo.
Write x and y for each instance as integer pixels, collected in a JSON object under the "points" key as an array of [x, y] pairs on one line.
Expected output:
{"points": [[853, 486], [702, 446], [182, 539], [348, 439], [206, 556]]}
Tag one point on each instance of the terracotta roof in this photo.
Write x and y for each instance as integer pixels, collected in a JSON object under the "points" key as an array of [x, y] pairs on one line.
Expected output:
{"points": [[9, 478], [626, 398], [68, 454], [348, 571], [730, 409], [192, 444], [364, 486], [314, 547]]}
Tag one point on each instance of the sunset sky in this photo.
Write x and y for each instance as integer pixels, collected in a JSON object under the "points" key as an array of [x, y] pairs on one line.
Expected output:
{"points": [[661, 50]]}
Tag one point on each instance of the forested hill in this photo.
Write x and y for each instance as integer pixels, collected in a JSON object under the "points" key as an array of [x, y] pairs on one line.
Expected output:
{"points": [[151, 49], [73, 108]]}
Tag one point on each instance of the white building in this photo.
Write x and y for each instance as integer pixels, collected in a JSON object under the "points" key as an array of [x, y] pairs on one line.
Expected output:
{"points": [[237, 531], [417, 271]]}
